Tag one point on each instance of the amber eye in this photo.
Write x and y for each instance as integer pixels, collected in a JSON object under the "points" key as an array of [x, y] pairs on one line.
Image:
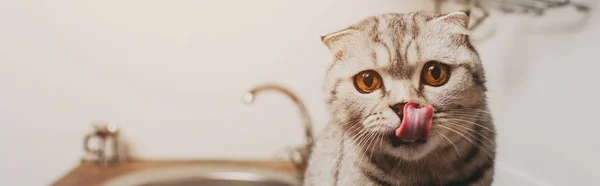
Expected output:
{"points": [[435, 73], [367, 81]]}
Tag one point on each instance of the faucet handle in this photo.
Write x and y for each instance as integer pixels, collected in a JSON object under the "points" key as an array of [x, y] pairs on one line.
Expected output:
{"points": [[103, 132], [299, 157]]}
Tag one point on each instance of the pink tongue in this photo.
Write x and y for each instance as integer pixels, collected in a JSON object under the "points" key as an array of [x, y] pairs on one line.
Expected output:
{"points": [[416, 122]]}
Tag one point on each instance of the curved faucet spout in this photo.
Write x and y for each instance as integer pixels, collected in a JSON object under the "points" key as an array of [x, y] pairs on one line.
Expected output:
{"points": [[249, 98]]}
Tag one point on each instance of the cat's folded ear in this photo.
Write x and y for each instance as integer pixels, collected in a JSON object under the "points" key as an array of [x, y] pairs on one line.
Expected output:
{"points": [[330, 39], [455, 23], [458, 18]]}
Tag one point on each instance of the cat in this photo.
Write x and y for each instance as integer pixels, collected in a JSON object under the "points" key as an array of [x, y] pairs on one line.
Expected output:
{"points": [[407, 96]]}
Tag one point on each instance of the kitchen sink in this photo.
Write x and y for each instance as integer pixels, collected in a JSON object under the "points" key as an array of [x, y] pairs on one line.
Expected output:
{"points": [[200, 175]]}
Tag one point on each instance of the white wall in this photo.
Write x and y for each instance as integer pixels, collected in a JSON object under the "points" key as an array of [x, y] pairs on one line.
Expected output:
{"points": [[544, 96], [172, 74]]}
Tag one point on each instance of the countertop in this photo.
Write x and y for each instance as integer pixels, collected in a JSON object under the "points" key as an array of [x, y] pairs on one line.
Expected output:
{"points": [[92, 174]]}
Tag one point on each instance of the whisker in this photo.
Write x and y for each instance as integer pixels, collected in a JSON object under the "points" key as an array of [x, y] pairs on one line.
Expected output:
{"points": [[375, 137], [358, 140], [478, 116], [471, 131], [363, 140], [466, 108], [396, 166], [484, 147], [469, 140], [381, 141], [451, 143], [339, 145], [469, 114], [466, 114], [362, 147], [337, 149], [463, 116], [374, 141], [470, 122], [467, 111]]}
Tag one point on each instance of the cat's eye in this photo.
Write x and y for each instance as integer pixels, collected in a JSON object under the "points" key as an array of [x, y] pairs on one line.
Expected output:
{"points": [[367, 81], [435, 73]]}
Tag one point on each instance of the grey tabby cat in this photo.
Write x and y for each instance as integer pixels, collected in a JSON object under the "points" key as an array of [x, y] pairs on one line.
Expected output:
{"points": [[407, 97]]}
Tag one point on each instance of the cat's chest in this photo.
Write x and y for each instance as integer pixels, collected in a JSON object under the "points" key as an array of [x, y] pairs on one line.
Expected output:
{"points": [[350, 174]]}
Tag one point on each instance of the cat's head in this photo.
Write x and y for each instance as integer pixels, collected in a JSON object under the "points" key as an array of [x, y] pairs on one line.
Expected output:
{"points": [[385, 61]]}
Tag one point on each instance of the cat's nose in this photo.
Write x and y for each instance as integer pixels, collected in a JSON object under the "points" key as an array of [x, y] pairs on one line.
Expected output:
{"points": [[398, 108]]}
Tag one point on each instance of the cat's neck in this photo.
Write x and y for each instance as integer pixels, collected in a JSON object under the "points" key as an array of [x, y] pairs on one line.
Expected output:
{"points": [[436, 164]]}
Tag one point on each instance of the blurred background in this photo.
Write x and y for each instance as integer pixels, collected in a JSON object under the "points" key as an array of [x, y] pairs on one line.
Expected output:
{"points": [[171, 75]]}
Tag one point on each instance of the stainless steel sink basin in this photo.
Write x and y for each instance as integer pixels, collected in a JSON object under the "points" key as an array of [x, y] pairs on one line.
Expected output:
{"points": [[206, 176]]}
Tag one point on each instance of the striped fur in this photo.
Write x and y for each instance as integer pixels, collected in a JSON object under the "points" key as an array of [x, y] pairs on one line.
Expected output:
{"points": [[356, 147]]}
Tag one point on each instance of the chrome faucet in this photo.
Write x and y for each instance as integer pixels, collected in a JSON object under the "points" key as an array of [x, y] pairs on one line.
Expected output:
{"points": [[301, 154]]}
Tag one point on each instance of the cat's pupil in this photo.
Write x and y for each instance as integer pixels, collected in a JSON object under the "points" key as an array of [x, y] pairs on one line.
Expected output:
{"points": [[368, 79], [435, 72]]}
